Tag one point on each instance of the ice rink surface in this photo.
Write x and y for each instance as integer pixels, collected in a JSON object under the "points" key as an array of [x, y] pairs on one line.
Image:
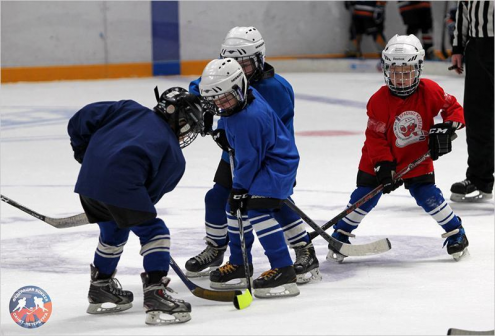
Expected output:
{"points": [[414, 289]]}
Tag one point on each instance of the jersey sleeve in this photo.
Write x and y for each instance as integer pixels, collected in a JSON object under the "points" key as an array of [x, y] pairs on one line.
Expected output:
{"points": [[86, 122], [376, 134], [194, 87], [451, 110]]}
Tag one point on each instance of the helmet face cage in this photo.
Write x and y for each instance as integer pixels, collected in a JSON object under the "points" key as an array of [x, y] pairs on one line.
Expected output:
{"points": [[402, 79], [255, 63], [227, 103]]}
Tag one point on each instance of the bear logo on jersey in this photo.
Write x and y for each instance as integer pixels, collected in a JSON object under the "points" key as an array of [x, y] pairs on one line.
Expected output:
{"points": [[408, 129]]}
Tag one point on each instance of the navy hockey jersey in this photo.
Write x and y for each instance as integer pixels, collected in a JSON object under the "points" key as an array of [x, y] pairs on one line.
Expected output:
{"points": [[132, 156]]}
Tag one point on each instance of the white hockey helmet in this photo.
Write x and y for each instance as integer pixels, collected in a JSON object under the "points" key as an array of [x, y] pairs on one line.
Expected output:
{"points": [[224, 84], [245, 44], [403, 50]]}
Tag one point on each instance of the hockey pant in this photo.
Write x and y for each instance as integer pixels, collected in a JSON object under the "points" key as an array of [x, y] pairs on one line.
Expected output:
{"points": [[154, 237], [269, 234], [427, 196], [216, 219]]}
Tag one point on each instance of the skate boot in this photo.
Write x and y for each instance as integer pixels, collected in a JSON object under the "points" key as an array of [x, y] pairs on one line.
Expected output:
{"points": [[161, 308], [206, 261], [466, 191], [278, 282], [106, 295], [230, 276], [456, 242], [343, 237], [306, 265]]}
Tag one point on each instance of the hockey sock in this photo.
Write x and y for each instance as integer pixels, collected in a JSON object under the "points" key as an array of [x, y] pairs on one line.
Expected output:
{"points": [[235, 239], [430, 198], [352, 220], [154, 237], [215, 218], [292, 225], [271, 237], [110, 247]]}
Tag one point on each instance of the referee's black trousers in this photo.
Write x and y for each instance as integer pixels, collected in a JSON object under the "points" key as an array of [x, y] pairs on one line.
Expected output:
{"points": [[479, 111]]}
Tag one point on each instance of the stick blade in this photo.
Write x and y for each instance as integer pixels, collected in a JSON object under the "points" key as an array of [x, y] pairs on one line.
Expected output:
{"points": [[243, 300]]}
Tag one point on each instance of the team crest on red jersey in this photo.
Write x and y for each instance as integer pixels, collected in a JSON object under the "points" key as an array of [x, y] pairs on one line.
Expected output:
{"points": [[408, 129]]}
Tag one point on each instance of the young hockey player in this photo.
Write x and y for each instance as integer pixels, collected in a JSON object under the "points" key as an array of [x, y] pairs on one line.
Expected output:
{"points": [[130, 157], [400, 129], [247, 47], [266, 161]]}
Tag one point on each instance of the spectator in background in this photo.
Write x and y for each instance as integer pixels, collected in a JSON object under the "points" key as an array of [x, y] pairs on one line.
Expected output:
{"points": [[450, 22], [473, 38], [367, 19], [417, 17]]}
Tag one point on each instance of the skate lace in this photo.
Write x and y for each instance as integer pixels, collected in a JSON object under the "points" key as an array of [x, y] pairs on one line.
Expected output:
{"points": [[268, 274], [302, 256], [466, 182], [207, 255], [227, 269], [116, 287]]}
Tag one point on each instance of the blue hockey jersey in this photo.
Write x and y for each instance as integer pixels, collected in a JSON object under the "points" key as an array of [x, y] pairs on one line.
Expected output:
{"points": [[132, 156], [266, 156], [275, 90]]}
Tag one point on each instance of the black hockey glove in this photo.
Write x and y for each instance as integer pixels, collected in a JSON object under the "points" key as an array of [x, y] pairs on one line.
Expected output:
{"points": [[238, 200], [221, 139], [207, 123], [385, 172], [79, 153], [440, 141]]}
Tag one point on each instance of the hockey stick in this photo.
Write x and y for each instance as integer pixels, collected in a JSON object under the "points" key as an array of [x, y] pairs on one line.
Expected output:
{"points": [[243, 300], [81, 219], [455, 331], [59, 223], [369, 196], [348, 250]]}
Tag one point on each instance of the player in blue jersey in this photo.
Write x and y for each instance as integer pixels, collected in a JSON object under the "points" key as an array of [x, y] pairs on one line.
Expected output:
{"points": [[247, 47], [130, 157], [266, 161]]}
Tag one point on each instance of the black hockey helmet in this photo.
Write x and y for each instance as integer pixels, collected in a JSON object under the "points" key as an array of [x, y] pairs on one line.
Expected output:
{"points": [[182, 111]]}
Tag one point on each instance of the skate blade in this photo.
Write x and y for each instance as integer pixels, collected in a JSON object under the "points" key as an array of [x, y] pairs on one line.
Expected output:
{"points": [[232, 284], [286, 290], [107, 308], [459, 255], [474, 197], [309, 277], [161, 318], [203, 273], [335, 256]]}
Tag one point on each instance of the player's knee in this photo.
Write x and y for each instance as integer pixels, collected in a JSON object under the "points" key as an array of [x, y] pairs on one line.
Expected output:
{"points": [[217, 197]]}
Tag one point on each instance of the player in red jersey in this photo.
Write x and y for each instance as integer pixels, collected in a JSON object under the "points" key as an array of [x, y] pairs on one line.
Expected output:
{"points": [[401, 129]]}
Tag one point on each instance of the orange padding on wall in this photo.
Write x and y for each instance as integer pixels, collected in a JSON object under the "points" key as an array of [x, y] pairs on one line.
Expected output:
{"points": [[98, 71]]}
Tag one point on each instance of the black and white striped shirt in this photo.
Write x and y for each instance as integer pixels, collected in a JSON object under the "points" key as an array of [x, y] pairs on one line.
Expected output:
{"points": [[473, 19]]}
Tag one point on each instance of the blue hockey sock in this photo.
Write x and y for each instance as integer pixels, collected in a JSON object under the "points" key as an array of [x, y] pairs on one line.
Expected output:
{"points": [[236, 257], [110, 247], [215, 218], [292, 225], [352, 220], [430, 198]]}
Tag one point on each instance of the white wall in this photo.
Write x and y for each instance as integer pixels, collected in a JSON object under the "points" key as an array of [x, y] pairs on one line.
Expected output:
{"points": [[44, 33]]}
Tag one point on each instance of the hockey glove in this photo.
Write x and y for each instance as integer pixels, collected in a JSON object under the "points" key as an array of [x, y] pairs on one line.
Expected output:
{"points": [[221, 139], [238, 200], [385, 172], [440, 141], [79, 153]]}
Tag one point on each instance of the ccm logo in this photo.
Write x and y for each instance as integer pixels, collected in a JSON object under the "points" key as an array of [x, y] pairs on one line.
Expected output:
{"points": [[438, 130]]}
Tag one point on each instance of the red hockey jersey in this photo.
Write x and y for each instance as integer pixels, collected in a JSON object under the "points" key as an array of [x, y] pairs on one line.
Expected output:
{"points": [[398, 127]]}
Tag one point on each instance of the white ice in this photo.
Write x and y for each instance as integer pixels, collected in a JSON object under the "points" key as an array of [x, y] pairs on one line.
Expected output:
{"points": [[414, 289]]}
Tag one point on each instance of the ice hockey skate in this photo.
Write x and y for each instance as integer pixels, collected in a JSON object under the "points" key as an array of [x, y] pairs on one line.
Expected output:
{"points": [[465, 191], [456, 243], [161, 308], [230, 276], [343, 237], [306, 265], [106, 295], [205, 262], [274, 283]]}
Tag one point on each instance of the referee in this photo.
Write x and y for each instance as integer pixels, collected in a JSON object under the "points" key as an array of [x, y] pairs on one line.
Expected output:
{"points": [[473, 37]]}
